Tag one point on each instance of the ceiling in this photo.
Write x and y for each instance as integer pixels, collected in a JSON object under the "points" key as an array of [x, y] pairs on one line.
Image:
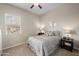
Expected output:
{"points": [[36, 10]]}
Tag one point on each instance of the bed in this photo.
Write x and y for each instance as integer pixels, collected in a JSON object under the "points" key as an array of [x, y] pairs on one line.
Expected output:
{"points": [[44, 45]]}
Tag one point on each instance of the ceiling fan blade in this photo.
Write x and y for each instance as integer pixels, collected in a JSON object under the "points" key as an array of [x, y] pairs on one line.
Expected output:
{"points": [[40, 6], [32, 6]]}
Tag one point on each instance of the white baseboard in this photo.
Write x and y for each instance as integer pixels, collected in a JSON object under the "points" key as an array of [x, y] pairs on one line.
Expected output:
{"points": [[14, 45], [76, 48]]}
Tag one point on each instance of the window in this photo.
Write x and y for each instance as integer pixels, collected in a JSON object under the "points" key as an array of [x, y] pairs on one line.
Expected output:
{"points": [[12, 23]]}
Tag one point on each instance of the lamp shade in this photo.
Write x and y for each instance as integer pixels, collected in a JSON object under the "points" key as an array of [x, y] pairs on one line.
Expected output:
{"points": [[69, 33]]}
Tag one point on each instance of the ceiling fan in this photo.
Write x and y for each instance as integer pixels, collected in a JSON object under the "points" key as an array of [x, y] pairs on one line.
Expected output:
{"points": [[36, 5]]}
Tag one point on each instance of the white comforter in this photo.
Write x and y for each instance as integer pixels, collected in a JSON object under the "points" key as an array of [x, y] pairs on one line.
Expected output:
{"points": [[43, 45]]}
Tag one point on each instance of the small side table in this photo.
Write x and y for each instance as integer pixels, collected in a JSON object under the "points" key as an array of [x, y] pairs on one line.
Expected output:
{"points": [[67, 43]]}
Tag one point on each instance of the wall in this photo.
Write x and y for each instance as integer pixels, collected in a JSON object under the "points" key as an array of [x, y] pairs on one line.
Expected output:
{"points": [[0, 42], [28, 23], [0, 39], [65, 16]]}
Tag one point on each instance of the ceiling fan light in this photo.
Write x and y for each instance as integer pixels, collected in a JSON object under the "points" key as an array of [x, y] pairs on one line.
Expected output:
{"points": [[36, 4]]}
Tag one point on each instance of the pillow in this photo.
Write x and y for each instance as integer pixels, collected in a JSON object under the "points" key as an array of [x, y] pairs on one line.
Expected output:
{"points": [[49, 33], [57, 33], [53, 33]]}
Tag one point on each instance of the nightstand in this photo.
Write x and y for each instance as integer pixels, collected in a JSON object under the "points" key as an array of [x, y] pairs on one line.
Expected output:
{"points": [[66, 43]]}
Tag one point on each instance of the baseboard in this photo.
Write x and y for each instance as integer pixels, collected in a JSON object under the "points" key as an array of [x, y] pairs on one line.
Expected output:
{"points": [[76, 48], [14, 45]]}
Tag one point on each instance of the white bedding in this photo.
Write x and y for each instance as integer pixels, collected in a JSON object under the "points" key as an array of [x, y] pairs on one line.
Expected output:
{"points": [[43, 45]]}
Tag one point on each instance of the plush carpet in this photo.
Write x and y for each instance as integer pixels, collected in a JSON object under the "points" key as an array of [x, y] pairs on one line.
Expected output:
{"points": [[63, 52], [24, 50]]}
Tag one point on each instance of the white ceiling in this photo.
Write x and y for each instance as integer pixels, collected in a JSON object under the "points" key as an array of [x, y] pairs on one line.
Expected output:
{"points": [[45, 7]]}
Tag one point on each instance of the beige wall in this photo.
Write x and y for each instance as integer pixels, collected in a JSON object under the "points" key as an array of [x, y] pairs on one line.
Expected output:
{"points": [[28, 23], [66, 16], [0, 42]]}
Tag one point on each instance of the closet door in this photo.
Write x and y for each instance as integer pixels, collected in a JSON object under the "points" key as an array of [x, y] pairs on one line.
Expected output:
{"points": [[0, 42]]}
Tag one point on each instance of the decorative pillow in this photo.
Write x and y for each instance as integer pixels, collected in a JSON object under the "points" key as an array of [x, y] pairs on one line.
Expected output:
{"points": [[49, 33], [53, 33], [57, 33]]}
